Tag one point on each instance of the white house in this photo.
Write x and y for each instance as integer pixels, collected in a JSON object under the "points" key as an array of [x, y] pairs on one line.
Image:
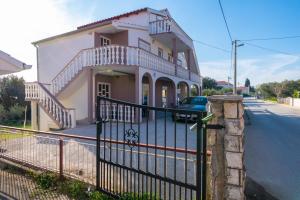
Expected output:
{"points": [[224, 84], [141, 56]]}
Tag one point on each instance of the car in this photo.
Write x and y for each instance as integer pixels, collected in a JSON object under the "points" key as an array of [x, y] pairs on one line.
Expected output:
{"points": [[197, 103]]}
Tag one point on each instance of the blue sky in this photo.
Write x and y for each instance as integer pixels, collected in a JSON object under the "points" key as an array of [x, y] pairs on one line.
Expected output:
{"points": [[202, 20]]}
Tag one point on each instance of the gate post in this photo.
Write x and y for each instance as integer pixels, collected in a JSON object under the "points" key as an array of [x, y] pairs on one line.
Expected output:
{"points": [[199, 173], [226, 173]]}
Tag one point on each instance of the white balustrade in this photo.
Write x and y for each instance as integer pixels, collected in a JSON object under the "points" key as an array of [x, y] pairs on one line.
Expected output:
{"points": [[114, 55], [195, 77], [182, 73], [63, 116], [160, 26], [115, 112]]}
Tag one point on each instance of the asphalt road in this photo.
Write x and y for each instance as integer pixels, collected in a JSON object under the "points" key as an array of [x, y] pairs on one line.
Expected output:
{"points": [[272, 148]]}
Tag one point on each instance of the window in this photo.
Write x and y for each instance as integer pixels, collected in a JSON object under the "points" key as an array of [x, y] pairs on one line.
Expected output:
{"points": [[103, 89], [160, 53], [170, 57], [104, 41], [144, 45]]}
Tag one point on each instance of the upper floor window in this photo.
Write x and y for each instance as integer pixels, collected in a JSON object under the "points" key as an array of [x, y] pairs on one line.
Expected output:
{"points": [[144, 45], [104, 41], [160, 53]]}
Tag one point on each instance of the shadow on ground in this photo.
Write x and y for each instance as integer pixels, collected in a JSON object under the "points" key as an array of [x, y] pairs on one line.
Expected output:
{"points": [[16, 184], [254, 191]]}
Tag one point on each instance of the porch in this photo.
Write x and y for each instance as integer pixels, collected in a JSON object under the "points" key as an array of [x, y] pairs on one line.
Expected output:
{"points": [[133, 85]]}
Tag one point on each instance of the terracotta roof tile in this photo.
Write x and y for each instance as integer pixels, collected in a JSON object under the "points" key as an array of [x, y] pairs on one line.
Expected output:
{"points": [[113, 18]]}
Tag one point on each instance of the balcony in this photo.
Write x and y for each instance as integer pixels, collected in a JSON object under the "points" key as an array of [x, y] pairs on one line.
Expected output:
{"points": [[115, 55]]}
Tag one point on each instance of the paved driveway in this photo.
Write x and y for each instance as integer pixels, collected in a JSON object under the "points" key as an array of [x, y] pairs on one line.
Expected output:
{"points": [[165, 132], [272, 151]]}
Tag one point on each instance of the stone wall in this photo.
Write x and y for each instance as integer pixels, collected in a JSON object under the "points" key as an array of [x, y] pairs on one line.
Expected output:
{"points": [[226, 171]]}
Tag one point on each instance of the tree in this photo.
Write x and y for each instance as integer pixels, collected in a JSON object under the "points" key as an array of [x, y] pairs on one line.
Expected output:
{"points": [[209, 83], [247, 82], [12, 92]]}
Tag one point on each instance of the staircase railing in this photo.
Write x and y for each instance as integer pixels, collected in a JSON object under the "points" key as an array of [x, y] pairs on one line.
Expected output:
{"points": [[64, 117], [113, 55]]}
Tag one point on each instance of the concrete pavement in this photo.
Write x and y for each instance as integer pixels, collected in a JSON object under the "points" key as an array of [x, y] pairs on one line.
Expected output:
{"points": [[272, 148]]}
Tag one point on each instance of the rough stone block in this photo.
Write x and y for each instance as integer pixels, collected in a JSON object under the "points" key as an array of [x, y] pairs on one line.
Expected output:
{"points": [[241, 110], [234, 160], [233, 176], [231, 110], [211, 137], [234, 126], [233, 143], [234, 193], [217, 109]]}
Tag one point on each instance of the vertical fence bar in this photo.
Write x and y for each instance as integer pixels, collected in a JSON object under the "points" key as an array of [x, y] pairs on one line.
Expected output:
{"points": [[99, 130], [61, 157], [198, 166], [204, 143]]}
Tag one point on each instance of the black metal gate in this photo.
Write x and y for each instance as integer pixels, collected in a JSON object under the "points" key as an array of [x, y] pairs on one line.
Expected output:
{"points": [[149, 152]]}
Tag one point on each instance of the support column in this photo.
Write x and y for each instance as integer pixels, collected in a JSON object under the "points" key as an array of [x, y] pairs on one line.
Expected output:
{"points": [[226, 175], [90, 94], [34, 115], [188, 60], [138, 91], [174, 51]]}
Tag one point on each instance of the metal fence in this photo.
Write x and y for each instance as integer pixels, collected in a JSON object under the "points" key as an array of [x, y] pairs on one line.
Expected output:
{"points": [[69, 155], [156, 153]]}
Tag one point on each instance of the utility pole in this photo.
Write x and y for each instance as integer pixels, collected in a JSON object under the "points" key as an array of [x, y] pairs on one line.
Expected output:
{"points": [[234, 68], [235, 64]]}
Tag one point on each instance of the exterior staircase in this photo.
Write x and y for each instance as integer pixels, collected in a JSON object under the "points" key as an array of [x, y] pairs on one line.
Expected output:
{"points": [[63, 117]]}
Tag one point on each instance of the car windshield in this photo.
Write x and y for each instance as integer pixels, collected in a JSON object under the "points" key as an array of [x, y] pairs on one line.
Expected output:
{"points": [[194, 101]]}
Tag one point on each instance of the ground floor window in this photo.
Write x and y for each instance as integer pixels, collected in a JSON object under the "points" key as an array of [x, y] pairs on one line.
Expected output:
{"points": [[104, 89]]}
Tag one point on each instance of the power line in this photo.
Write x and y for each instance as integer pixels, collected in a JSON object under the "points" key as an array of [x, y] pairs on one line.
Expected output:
{"points": [[212, 46], [225, 20], [269, 49], [273, 38]]}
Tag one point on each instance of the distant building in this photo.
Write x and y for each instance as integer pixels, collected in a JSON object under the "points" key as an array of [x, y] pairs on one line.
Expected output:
{"points": [[224, 84], [243, 90]]}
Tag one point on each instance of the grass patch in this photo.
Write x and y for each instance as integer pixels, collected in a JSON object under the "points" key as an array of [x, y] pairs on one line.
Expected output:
{"points": [[9, 136], [271, 99]]}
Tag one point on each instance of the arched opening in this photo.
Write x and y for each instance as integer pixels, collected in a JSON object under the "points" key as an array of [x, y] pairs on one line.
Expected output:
{"points": [[147, 88], [195, 90], [182, 90], [165, 93]]}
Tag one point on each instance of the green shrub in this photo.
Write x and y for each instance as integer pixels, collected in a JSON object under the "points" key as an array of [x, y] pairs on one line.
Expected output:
{"points": [[76, 189], [95, 195], [46, 180], [3, 113], [16, 112], [133, 196]]}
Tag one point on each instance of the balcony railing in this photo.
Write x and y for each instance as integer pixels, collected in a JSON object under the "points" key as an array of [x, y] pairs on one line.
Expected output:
{"points": [[160, 26], [115, 55]]}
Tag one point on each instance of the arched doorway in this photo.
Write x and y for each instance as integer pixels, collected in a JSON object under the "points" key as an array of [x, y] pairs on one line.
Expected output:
{"points": [[165, 93], [182, 90], [195, 90], [147, 90]]}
